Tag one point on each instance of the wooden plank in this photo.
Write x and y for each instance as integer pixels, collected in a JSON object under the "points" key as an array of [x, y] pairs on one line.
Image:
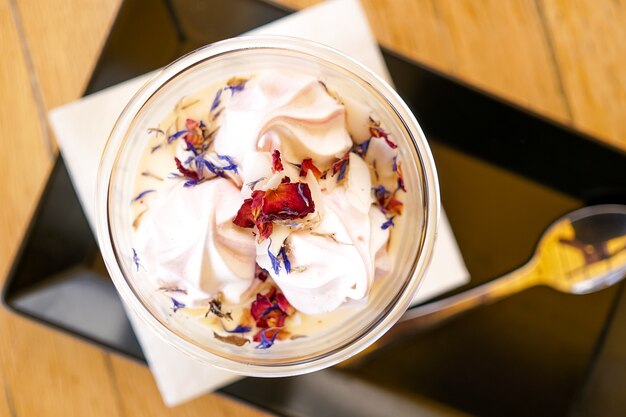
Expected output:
{"points": [[589, 39], [64, 39], [23, 157], [52, 374], [500, 46], [6, 399], [44, 372], [141, 396]]}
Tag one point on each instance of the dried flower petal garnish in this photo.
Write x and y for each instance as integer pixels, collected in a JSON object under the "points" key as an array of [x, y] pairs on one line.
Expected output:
{"points": [[156, 131], [194, 137], [400, 178], [378, 132], [393, 205], [306, 165], [288, 201], [173, 289], [239, 329], [266, 342], [231, 339], [273, 259], [340, 166], [215, 307], [177, 304], [245, 217], [331, 93], [216, 100], [151, 175], [136, 259], [362, 148], [253, 184], [176, 135], [277, 164], [232, 166], [236, 84], [265, 230], [261, 274], [187, 173], [270, 310], [142, 195], [137, 220], [387, 202], [286, 261], [389, 223], [381, 194]]}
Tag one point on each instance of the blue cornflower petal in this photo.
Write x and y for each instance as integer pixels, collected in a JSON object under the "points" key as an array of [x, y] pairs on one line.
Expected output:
{"points": [[141, 195], [286, 261], [176, 135], [361, 149], [216, 100], [239, 329], [388, 223], [342, 170], [265, 342], [177, 304], [275, 261], [135, 259]]}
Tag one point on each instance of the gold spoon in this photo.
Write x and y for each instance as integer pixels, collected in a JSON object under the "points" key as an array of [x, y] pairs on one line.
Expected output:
{"points": [[582, 252]]}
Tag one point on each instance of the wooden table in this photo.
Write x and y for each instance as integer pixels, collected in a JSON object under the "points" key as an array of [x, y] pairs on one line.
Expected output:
{"points": [[563, 58]]}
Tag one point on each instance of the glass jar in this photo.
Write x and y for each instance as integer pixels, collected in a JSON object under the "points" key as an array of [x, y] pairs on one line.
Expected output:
{"points": [[412, 241]]}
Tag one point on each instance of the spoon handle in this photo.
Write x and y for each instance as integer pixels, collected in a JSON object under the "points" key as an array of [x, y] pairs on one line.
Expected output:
{"points": [[437, 312]]}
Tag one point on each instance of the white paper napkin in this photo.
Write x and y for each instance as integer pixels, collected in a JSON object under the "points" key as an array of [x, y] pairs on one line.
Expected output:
{"points": [[82, 127]]}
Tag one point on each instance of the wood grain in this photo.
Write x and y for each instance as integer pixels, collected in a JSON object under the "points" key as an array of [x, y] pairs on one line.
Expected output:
{"points": [[589, 39], [43, 370], [564, 59], [64, 39]]}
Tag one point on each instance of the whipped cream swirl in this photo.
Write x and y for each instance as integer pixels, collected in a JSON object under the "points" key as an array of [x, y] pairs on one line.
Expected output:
{"points": [[187, 239]]}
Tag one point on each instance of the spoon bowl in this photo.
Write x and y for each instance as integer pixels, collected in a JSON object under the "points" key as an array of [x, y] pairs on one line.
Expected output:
{"points": [[584, 251]]}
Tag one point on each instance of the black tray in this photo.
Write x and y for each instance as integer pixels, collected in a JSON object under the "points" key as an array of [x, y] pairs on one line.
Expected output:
{"points": [[505, 175]]}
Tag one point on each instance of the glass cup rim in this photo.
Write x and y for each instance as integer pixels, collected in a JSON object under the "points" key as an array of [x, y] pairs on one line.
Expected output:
{"points": [[430, 188]]}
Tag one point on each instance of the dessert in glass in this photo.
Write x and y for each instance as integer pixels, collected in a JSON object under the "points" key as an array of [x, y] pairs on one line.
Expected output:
{"points": [[267, 205]]}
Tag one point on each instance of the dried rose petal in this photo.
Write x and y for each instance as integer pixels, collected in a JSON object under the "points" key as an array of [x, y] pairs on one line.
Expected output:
{"points": [[394, 206], [277, 164], [188, 173], [193, 137], [284, 305], [244, 217], [271, 309], [260, 306], [378, 132], [265, 229], [261, 274], [337, 166], [272, 333], [306, 165], [287, 202]]}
